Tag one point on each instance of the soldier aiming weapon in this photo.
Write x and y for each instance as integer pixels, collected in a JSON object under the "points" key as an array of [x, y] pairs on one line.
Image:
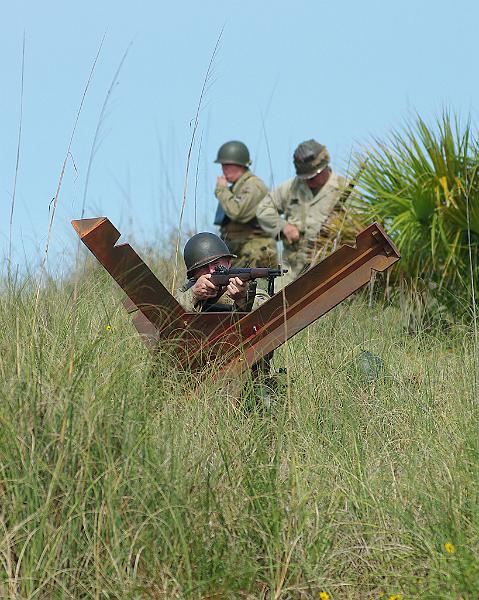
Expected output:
{"points": [[241, 338], [222, 275], [213, 285]]}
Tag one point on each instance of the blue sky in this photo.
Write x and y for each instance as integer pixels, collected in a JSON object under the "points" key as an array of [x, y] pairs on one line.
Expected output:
{"points": [[342, 72]]}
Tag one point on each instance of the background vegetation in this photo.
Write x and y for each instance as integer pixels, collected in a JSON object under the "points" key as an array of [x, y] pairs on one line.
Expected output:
{"points": [[120, 480], [422, 182]]}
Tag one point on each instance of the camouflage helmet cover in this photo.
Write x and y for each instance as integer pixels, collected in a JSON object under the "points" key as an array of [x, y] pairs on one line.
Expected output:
{"points": [[233, 153], [310, 158], [203, 248]]}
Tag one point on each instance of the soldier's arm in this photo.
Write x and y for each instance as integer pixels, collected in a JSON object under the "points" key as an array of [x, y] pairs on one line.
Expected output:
{"points": [[270, 211], [187, 300], [241, 207]]}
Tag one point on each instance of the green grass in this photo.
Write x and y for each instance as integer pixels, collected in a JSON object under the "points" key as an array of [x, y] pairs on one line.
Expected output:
{"points": [[119, 484]]}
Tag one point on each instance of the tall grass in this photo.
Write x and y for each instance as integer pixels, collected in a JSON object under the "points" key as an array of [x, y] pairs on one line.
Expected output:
{"points": [[118, 481]]}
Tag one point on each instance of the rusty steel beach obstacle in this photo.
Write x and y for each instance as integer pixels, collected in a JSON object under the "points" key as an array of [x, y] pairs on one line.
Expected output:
{"points": [[237, 340]]}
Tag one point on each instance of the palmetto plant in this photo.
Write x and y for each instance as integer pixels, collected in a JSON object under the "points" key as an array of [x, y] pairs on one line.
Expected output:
{"points": [[423, 183]]}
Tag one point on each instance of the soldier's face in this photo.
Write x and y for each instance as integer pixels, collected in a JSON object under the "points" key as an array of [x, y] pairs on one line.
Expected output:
{"points": [[233, 172], [210, 267], [319, 179]]}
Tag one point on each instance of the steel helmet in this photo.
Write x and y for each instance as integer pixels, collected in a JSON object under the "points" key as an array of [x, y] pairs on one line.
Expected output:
{"points": [[233, 153], [202, 249], [310, 158]]}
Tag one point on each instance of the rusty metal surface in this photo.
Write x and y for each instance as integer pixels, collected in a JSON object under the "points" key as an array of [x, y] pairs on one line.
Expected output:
{"points": [[129, 271], [157, 315], [309, 297], [235, 341]]}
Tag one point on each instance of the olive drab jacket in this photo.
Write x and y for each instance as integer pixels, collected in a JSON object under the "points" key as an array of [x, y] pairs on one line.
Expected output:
{"points": [[254, 298], [240, 228], [241, 200], [293, 202]]}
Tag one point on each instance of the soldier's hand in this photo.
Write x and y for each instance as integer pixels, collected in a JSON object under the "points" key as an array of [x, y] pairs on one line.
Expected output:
{"points": [[204, 289], [291, 233], [221, 181], [237, 288]]}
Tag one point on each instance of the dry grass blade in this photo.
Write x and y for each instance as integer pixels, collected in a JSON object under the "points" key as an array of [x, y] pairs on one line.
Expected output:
{"points": [[17, 162], [62, 171], [190, 150]]}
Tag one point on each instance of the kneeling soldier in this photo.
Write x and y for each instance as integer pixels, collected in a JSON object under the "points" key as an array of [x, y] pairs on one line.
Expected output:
{"points": [[203, 253], [299, 209]]}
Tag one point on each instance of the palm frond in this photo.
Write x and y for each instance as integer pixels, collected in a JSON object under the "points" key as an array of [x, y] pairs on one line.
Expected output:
{"points": [[422, 181]]}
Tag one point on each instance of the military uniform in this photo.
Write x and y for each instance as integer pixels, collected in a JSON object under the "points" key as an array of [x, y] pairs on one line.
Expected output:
{"points": [[295, 203], [254, 298], [240, 228], [200, 251]]}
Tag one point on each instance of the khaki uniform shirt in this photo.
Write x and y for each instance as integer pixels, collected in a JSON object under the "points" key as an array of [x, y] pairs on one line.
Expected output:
{"points": [[185, 297], [293, 202], [241, 200], [245, 238]]}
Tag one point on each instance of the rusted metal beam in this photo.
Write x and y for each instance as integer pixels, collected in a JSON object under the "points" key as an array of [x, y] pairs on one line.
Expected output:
{"points": [[161, 319], [129, 271], [308, 298], [235, 341]]}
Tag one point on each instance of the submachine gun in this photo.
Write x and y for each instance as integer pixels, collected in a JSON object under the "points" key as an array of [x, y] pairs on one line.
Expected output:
{"points": [[222, 275]]}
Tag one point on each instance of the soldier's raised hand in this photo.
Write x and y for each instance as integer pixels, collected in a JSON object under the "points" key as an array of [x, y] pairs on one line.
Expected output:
{"points": [[204, 289], [221, 181], [237, 288], [291, 233]]}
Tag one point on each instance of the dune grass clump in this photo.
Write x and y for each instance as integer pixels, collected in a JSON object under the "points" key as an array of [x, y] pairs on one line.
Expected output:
{"points": [[120, 479]]}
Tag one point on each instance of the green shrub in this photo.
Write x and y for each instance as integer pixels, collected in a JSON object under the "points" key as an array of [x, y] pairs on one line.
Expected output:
{"points": [[422, 182]]}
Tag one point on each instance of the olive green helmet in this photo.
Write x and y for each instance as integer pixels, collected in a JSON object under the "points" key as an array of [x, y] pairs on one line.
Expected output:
{"points": [[310, 158], [202, 249], [233, 153]]}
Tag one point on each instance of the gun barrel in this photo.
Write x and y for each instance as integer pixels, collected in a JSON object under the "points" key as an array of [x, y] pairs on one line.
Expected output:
{"points": [[259, 272]]}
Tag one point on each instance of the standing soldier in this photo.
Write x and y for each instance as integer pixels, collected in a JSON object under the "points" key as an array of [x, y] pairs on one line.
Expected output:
{"points": [[298, 209], [238, 202]]}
